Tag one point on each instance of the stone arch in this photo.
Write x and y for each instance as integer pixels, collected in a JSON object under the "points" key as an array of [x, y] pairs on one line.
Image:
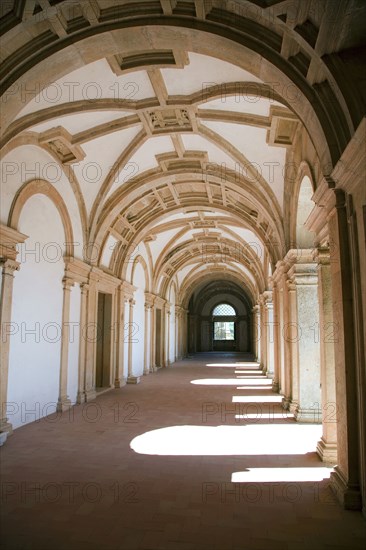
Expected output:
{"points": [[140, 260], [42, 187]]}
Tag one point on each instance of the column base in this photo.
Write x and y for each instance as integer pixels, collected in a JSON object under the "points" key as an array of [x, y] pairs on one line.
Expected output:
{"points": [[119, 382], [6, 426], [275, 386], [312, 416], [349, 495], [63, 404], [80, 398], [146, 372], [327, 451], [294, 407], [286, 403], [90, 395], [133, 380], [269, 374]]}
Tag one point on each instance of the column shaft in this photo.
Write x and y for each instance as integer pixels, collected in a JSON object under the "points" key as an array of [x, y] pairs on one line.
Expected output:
{"points": [[64, 402], [8, 268]]}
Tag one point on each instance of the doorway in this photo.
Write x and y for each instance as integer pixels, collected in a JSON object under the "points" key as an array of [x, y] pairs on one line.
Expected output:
{"points": [[158, 338], [104, 327]]}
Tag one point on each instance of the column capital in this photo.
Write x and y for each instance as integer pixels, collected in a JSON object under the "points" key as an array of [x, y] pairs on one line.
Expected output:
{"points": [[84, 288], [67, 283], [149, 299], [9, 266], [9, 238], [127, 289], [303, 274], [321, 255]]}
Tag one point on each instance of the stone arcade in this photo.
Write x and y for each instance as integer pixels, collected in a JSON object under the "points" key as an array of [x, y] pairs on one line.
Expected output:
{"points": [[162, 158]]}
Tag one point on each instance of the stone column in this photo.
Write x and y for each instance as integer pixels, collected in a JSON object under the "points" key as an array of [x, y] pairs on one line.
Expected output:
{"points": [[8, 268], [263, 334], [120, 380], [256, 332], [84, 289], [303, 276], [168, 314], [327, 446], [292, 334], [64, 402], [277, 340], [146, 338], [153, 340], [163, 335], [176, 328], [131, 379], [91, 339], [268, 320], [9, 239], [287, 329]]}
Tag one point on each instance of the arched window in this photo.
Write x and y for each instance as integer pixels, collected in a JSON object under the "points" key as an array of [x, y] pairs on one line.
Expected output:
{"points": [[224, 330], [224, 309]]}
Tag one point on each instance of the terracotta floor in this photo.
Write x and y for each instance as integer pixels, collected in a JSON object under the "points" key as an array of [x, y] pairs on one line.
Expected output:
{"points": [[75, 483]]}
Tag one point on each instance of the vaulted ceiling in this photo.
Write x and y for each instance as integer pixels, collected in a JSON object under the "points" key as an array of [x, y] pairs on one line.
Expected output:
{"points": [[172, 139]]}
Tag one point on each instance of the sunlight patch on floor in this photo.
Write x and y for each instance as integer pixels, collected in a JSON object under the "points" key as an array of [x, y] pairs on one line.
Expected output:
{"points": [[229, 382], [258, 439], [282, 474], [257, 399]]}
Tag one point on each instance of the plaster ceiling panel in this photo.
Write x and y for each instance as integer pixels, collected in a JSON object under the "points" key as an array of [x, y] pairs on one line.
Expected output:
{"points": [[79, 122], [161, 241], [100, 156], [215, 154], [251, 142], [203, 71], [145, 159], [253, 242], [243, 104], [93, 81], [246, 271], [182, 273]]}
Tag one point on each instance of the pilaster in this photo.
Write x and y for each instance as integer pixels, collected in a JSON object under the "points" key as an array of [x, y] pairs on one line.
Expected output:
{"points": [[304, 339]]}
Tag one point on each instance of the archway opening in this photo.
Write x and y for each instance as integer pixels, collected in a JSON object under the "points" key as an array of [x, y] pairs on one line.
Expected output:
{"points": [[219, 318]]}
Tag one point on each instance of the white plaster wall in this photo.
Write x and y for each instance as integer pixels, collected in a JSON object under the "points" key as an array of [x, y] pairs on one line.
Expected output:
{"points": [[34, 365], [108, 250], [74, 340], [139, 322]]}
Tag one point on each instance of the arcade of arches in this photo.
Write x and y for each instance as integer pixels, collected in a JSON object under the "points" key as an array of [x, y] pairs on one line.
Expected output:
{"points": [[165, 157]]}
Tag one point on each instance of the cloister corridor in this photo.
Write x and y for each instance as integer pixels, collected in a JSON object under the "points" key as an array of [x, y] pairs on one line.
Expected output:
{"points": [[200, 455]]}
